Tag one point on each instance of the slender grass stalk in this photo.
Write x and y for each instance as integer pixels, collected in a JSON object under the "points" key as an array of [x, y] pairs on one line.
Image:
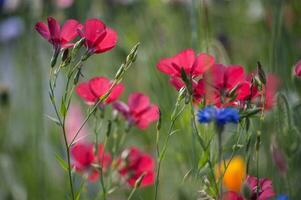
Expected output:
{"points": [[161, 155]]}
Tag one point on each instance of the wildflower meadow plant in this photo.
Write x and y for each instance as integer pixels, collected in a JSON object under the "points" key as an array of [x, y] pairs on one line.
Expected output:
{"points": [[224, 99]]}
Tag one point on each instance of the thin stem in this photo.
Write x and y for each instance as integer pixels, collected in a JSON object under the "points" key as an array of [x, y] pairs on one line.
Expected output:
{"points": [[162, 154], [220, 151], [202, 143], [132, 193]]}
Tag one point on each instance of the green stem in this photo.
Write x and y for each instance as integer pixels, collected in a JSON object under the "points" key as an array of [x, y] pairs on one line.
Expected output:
{"points": [[162, 155]]}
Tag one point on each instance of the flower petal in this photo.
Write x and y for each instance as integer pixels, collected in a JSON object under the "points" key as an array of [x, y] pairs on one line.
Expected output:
{"points": [[108, 42], [54, 30], [138, 102], [43, 30], [202, 63], [83, 90], [69, 30]]}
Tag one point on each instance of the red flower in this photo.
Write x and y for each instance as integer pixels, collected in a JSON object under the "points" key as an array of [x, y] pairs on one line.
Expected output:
{"points": [[232, 196], [83, 157], [298, 69], [59, 37], [223, 80], [193, 65], [98, 38], [135, 164], [268, 91], [265, 190], [95, 88], [139, 110]]}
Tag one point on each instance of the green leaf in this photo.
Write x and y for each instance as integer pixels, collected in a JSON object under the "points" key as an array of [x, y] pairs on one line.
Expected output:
{"points": [[62, 162], [63, 109], [203, 160], [55, 120]]}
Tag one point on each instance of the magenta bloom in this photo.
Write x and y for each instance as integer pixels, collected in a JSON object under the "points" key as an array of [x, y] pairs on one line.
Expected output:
{"points": [[222, 80], [265, 191], [298, 69], [232, 196], [193, 65], [133, 164], [83, 157], [59, 37], [99, 38], [95, 88], [139, 110]]}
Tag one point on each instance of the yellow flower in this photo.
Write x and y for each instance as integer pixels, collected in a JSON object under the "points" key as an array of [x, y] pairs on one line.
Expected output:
{"points": [[235, 173]]}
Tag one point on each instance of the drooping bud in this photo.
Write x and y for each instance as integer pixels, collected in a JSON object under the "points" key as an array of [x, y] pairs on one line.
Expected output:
{"points": [[261, 73], [278, 156]]}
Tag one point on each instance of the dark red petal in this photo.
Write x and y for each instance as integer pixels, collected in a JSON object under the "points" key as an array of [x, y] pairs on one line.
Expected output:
{"points": [[54, 30], [92, 29], [298, 69], [202, 63], [43, 30], [82, 154], [108, 42], [83, 90], [69, 30], [116, 92], [99, 86], [138, 102], [234, 75]]}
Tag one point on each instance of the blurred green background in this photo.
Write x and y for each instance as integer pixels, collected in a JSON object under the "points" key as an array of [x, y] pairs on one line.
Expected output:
{"points": [[235, 31]]}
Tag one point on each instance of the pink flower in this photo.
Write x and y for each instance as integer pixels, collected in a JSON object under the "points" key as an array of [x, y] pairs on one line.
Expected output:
{"points": [[74, 119], [298, 69], [221, 81], [139, 110], [232, 196], [83, 158], [59, 37], [98, 37], [134, 164], [265, 190], [193, 65], [95, 88]]}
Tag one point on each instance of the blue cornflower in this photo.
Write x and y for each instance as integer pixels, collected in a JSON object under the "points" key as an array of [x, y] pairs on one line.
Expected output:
{"points": [[207, 114], [282, 197], [221, 116]]}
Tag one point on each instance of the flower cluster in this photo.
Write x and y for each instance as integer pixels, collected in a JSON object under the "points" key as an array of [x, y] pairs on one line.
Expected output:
{"points": [[218, 84], [131, 166], [88, 158]]}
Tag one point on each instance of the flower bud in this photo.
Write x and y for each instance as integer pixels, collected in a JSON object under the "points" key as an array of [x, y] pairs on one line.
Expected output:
{"points": [[246, 191]]}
